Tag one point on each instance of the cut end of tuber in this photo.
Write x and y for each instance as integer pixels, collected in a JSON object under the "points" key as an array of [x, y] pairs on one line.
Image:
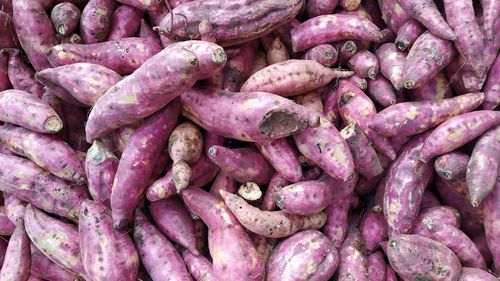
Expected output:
{"points": [[409, 84], [53, 124], [402, 45], [250, 191], [282, 123]]}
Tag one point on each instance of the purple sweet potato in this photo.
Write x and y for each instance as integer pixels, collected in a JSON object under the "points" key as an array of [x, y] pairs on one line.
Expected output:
{"points": [[376, 266], [492, 86], [336, 225], [75, 118], [72, 38], [349, 5], [100, 167], [34, 30], [40, 188], [7, 226], [347, 49], [482, 168], [365, 64], [353, 264], [277, 52], [391, 62], [365, 158], [437, 88], [65, 17], [174, 221], [373, 229], [199, 267], [145, 31], [63, 161], [158, 255], [95, 21], [311, 100], [411, 118], [14, 208], [225, 182], [426, 12], [280, 155], [43, 267], [440, 215], [331, 106], [416, 257], [357, 81], [304, 198], [259, 116], [56, 239], [21, 76], [8, 38], [381, 91], [307, 255], [125, 22], [3, 249], [4, 71], [475, 274], [393, 14], [137, 162], [234, 256], [421, 65], [239, 68], [292, 77], [407, 179], [328, 28], [482, 245], [276, 183], [408, 34], [491, 217], [457, 131], [326, 54], [316, 8], [17, 262], [123, 56], [457, 241], [102, 246]]}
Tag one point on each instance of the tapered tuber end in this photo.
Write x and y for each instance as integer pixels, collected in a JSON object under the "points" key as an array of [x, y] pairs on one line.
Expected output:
{"points": [[371, 74], [340, 73], [384, 245], [475, 203], [212, 151], [53, 124], [402, 45], [181, 175], [282, 123], [120, 223], [224, 194], [409, 84], [62, 29], [447, 175]]}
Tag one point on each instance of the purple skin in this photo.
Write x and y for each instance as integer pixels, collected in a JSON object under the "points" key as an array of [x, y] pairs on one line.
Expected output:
{"points": [[150, 92], [390, 274], [234, 256], [325, 146], [337, 221], [71, 38], [492, 86], [307, 255], [381, 91], [437, 88], [3, 249], [85, 82], [359, 10], [62, 161], [100, 167], [331, 107], [137, 162], [426, 12], [491, 217], [356, 106], [21, 76], [373, 228], [491, 12], [365, 64], [7, 226], [37, 34], [271, 224], [311, 100], [95, 21], [353, 264], [347, 49], [65, 17], [54, 102], [458, 131], [7, 31], [328, 28], [357, 81], [482, 168], [14, 208], [292, 77], [475, 274], [123, 56], [408, 34], [17, 262], [146, 32], [277, 51], [235, 24], [280, 155], [225, 182], [326, 54], [457, 241], [372, 8], [469, 39], [56, 239], [43, 267], [276, 183], [271, 118], [199, 267], [4, 71], [239, 68], [439, 215], [157, 254], [304, 198], [411, 118], [316, 8], [376, 266], [283, 31], [102, 245], [421, 64], [365, 158], [482, 245], [174, 221], [393, 14], [391, 62], [407, 179], [125, 22], [429, 200], [45, 190], [243, 164], [415, 256]]}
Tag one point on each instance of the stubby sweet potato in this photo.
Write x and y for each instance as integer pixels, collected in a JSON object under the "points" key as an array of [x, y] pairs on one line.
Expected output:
{"points": [[393, 14], [376, 266], [63, 161], [316, 8], [373, 229], [100, 167], [280, 155], [199, 267], [492, 86], [158, 255], [225, 182], [17, 262], [304, 198], [331, 106], [336, 225], [21, 76], [14, 208], [238, 68], [307, 255], [102, 246], [439, 215], [145, 31], [8, 227], [353, 263], [391, 62], [125, 22], [365, 64], [328, 28], [408, 34], [475, 274], [65, 17], [326, 54], [452, 166], [95, 20], [414, 256], [381, 91], [437, 88]]}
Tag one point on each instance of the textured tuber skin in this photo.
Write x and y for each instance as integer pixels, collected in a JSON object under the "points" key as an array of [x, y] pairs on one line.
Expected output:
{"points": [[307, 255], [475, 274], [491, 229], [102, 246], [14, 208], [43, 267], [392, 63], [316, 8], [304, 198], [17, 262], [146, 32], [4, 71], [125, 22], [281, 156], [492, 86], [21, 76], [65, 17], [95, 21], [100, 167], [240, 67], [381, 91], [365, 64], [376, 266], [8, 227], [440, 215], [393, 14], [199, 267], [325, 54], [353, 264], [408, 34], [437, 88], [373, 229], [336, 225]]}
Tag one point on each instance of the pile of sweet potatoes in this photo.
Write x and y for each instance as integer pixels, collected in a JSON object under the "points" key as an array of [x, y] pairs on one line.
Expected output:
{"points": [[214, 140]]}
